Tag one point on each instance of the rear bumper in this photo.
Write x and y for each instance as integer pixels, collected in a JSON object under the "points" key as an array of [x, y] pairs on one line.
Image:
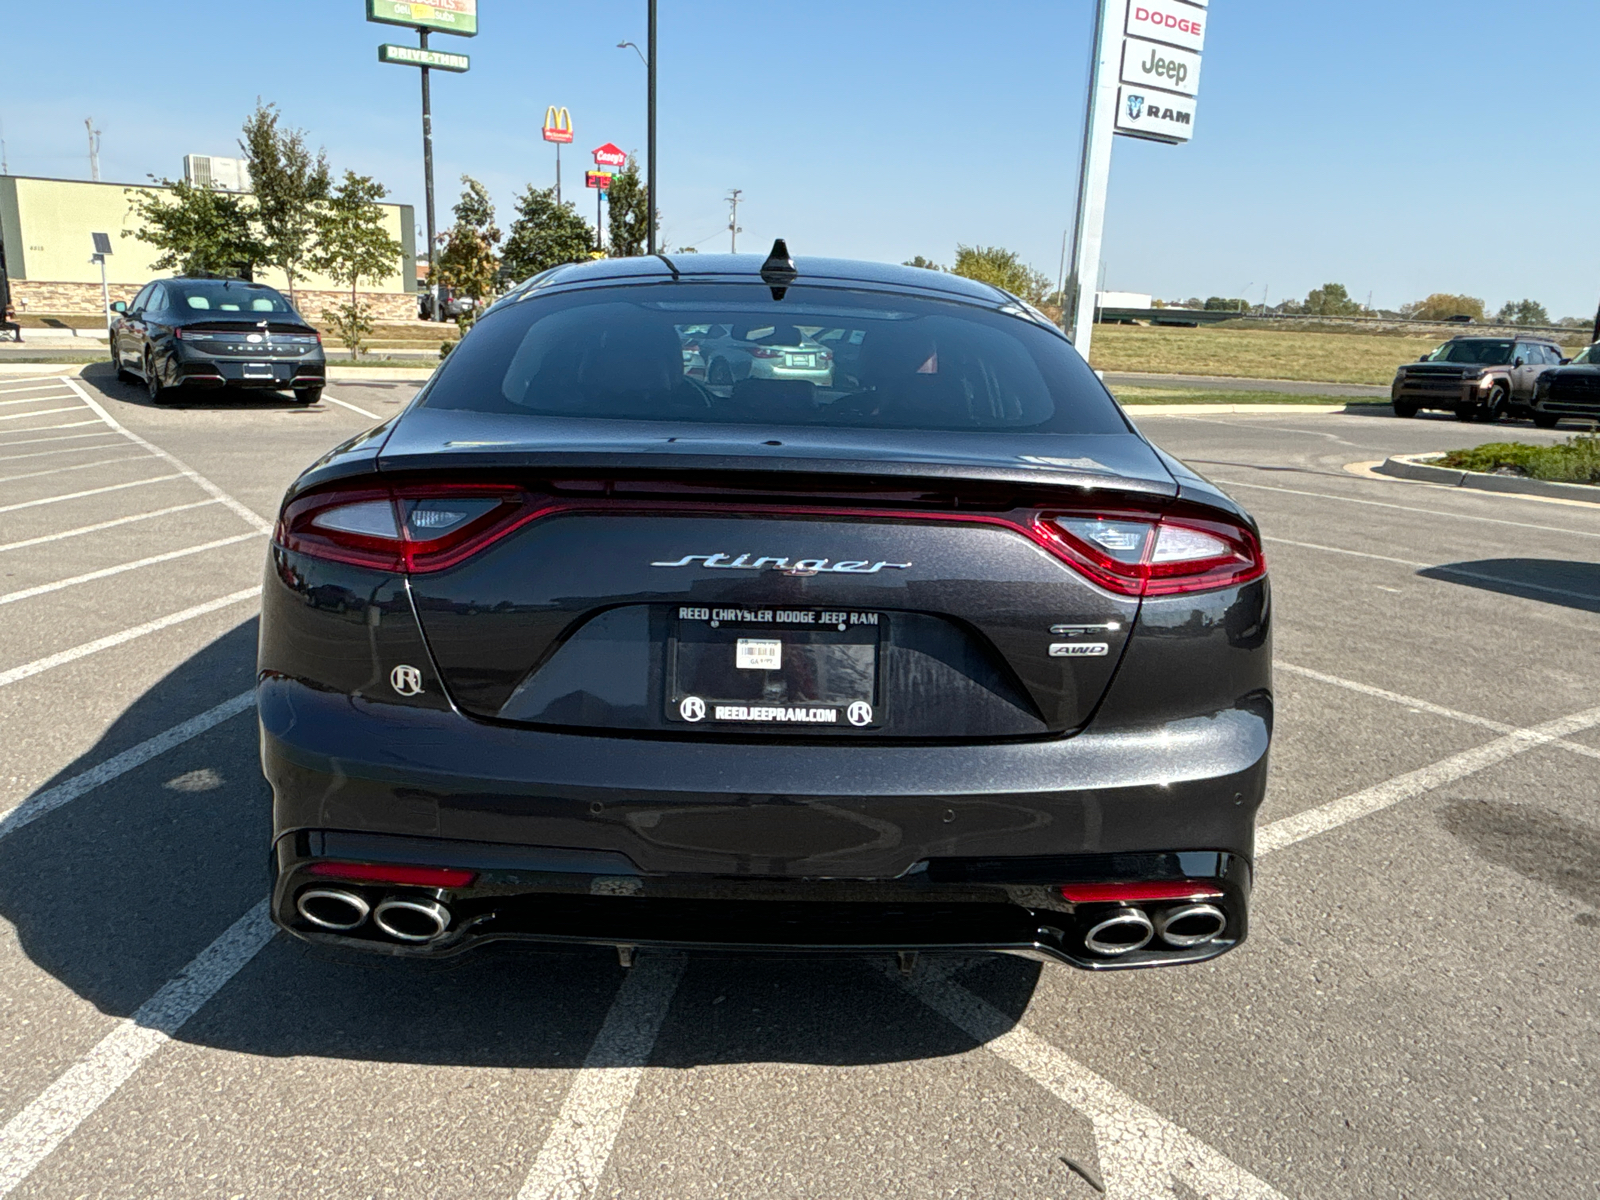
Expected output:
{"points": [[199, 370], [740, 844]]}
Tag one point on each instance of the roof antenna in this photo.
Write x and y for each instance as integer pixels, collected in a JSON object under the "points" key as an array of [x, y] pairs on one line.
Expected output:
{"points": [[779, 269]]}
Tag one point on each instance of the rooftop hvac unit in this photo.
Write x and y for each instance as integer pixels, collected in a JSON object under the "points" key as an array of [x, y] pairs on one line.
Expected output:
{"points": [[224, 174]]}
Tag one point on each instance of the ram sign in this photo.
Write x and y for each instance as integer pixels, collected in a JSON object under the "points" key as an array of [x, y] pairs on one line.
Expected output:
{"points": [[1160, 116]]}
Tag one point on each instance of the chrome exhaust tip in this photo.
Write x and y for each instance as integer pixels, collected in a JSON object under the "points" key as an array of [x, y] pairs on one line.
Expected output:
{"points": [[412, 920], [332, 908], [1123, 932], [1190, 925]]}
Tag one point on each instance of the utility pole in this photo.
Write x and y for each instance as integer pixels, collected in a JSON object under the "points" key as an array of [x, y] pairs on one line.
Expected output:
{"points": [[733, 221], [650, 116], [94, 149], [427, 173]]}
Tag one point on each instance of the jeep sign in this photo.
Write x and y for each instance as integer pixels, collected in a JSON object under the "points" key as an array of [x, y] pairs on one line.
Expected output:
{"points": [[1160, 116], [1151, 65], [1172, 21]]}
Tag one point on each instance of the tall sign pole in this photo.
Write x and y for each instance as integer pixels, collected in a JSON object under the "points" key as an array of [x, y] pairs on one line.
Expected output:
{"points": [[1144, 74], [650, 116], [459, 17], [427, 174]]}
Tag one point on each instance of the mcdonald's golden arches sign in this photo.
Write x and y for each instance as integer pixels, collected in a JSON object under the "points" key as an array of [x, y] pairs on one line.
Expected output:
{"points": [[557, 124]]}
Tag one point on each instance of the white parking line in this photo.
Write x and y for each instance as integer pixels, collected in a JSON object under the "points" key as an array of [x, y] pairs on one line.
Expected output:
{"points": [[38, 665], [50, 799], [578, 1146], [43, 412], [1443, 568], [1427, 706], [43, 429], [250, 515], [6, 458], [99, 525], [37, 399], [1427, 512], [30, 1136], [1289, 830], [353, 408], [66, 437], [1141, 1152], [37, 385], [105, 572], [99, 491], [101, 462]]}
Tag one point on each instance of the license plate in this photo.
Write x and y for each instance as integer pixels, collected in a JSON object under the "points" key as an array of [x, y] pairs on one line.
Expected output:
{"points": [[258, 371], [802, 360], [772, 666]]}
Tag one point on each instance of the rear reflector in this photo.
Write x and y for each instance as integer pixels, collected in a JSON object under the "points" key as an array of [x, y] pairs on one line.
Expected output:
{"points": [[1123, 893], [435, 877]]}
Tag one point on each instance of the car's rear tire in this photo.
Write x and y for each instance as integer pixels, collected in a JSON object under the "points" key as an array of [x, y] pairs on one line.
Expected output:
{"points": [[159, 394], [1405, 408], [307, 396], [1545, 420]]}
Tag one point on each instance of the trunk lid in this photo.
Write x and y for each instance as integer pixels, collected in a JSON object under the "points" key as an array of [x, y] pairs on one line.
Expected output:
{"points": [[792, 582]]}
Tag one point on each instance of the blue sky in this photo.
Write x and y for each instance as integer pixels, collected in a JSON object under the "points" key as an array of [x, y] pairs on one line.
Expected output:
{"points": [[1397, 146]]}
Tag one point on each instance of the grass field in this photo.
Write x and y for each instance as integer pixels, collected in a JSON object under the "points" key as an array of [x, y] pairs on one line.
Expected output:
{"points": [[1259, 353]]}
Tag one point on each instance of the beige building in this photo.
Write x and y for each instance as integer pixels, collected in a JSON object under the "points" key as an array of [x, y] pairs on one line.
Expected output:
{"points": [[45, 228]]}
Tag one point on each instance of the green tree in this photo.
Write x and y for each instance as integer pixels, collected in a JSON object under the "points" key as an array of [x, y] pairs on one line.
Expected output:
{"points": [[352, 245], [1441, 306], [1003, 269], [1223, 304], [468, 263], [198, 230], [1330, 300], [926, 264], [1523, 312], [544, 235], [630, 212], [289, 184]]}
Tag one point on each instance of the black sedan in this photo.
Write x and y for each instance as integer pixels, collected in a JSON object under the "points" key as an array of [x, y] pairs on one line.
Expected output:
{"points": [[184, 333], [937, 654]]}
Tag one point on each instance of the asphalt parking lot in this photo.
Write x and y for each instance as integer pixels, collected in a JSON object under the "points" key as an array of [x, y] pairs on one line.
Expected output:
{"points": [[1415, 1014]]}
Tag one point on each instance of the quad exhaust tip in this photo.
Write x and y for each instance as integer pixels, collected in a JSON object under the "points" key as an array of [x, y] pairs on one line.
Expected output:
{"points": [[1122, 932], [1190, 925], [412, 920], [332, 908]]}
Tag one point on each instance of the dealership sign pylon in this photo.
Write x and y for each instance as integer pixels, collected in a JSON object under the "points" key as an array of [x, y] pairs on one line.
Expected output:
{"points": [[1144, 77]]}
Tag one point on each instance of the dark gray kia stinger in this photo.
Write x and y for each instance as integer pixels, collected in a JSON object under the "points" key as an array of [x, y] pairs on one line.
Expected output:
{"points": [[907, 641]]}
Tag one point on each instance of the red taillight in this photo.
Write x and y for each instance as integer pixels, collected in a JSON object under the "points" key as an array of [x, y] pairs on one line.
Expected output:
{"points": [[413, 528], [1124, 893], [1138, 554], [765, 352], [403, 876]]}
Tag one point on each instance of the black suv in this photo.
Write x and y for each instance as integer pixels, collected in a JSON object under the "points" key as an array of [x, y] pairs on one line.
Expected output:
{"points": [[1570, 391], [1477, 378], [188, 333]]}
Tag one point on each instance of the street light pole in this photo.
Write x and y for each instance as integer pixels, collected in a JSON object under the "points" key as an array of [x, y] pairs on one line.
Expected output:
{"points": [[650, 181], [427, 169]]}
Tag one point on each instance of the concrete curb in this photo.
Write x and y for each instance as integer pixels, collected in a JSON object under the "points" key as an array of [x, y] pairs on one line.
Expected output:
{"points": [[1134, 408], [1417, 466], [41, 370]]}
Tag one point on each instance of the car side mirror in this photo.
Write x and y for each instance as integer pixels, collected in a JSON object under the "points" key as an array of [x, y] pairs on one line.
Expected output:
{"points": [[1422, 358], [119, 306], [1518, 363], [1565, 361]]}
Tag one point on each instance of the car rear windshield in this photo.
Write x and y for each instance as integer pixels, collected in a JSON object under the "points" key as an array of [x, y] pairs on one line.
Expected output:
{"points": [[1481, 351], [734, 354], [224, 295]]}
